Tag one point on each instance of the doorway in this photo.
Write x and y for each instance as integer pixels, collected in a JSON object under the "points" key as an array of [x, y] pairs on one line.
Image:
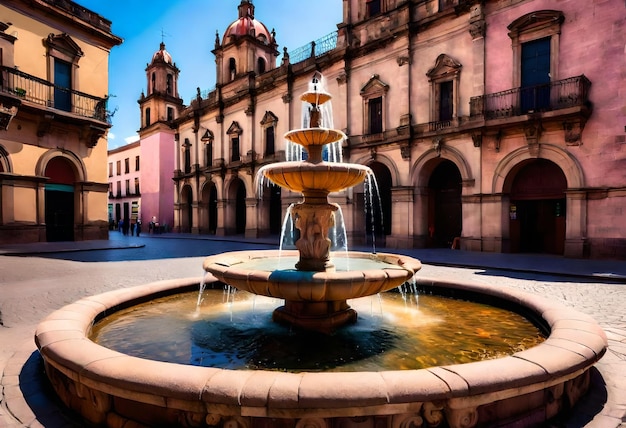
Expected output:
{"points": [[537, 212], [445, 221], [59, 197]]}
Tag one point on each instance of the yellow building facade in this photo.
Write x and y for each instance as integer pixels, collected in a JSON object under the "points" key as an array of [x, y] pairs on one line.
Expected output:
{"points": [[53, 121]]}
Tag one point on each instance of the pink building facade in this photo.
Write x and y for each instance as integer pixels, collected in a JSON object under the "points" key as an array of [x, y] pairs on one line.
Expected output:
{"points": [[491, 126]]}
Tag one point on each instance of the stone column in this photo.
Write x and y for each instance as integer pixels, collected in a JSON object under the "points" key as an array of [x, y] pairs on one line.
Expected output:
{"points": [[401, 218], [576, 223]]}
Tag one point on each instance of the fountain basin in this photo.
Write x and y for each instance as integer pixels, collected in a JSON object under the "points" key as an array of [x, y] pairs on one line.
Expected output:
{"points": [[304, 176], [314, 136], [108, 388], [271, 273], [314, 300]]}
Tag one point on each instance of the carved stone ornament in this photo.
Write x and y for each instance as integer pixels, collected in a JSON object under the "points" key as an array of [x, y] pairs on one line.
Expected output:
{"points": [[477, 29], [462, 418], [409, 420], [477, 139], [438, 145], [532, 132], [573, 132], [405, 151], [402, 60], [6, 115]]}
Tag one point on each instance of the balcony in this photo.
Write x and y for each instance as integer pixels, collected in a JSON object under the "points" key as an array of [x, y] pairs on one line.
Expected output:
{"points": [[43, 93], [563, 94]]}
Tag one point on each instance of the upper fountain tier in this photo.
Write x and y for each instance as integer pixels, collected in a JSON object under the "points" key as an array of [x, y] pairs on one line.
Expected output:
{"points": [[314, 176]]}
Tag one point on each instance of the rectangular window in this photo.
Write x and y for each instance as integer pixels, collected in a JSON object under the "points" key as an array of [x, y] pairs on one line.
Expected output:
{"points": [[373, 7], [446, 103], [110, 169], [375, 106], [269, 141], [136, 163], [148, 116], [127, 187], [119, 189], [187, 156], [119, 168], [126, 166], [137, 186], [208, 154], [236, 156], [170, 114]]}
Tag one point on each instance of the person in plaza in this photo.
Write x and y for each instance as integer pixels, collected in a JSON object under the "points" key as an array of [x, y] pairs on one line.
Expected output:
{"points": [[138, 226]]}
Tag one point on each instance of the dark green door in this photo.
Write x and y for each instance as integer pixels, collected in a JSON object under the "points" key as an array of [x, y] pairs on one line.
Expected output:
{"points": [[535, 80]]}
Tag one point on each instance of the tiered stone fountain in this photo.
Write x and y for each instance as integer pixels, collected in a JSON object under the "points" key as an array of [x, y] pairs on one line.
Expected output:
{"points": [[109, 388], [318, 302]]}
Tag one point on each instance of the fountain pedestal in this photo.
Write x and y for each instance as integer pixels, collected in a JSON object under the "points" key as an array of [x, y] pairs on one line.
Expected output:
{"points": [[324, 317]]}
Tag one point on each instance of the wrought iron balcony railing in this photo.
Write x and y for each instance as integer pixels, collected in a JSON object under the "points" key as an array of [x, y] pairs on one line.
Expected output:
{"points": [[39, 91], [315, 48], [560, 94]]}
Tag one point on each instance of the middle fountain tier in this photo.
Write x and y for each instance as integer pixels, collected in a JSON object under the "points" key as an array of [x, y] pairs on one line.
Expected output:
{"points": [[316, 289]]}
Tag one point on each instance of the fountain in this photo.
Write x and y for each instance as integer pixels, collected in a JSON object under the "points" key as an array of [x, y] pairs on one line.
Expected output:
{"points": [[109, 388], [315, 292]]}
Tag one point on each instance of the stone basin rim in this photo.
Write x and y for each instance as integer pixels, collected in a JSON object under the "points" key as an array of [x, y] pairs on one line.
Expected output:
{"points": [[63, 343]]}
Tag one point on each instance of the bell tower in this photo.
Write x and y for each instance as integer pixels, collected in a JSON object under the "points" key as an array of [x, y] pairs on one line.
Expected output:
{"points": [[161, 104], [246, 47]]}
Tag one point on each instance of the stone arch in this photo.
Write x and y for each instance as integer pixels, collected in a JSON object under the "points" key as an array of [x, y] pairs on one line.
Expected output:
{"points": [[388, 162], [208, 208], [575, 204], [186, 211], [502, 177], [424, 204], [235, 193], [423, 167], [63, 201], [80, 171]]}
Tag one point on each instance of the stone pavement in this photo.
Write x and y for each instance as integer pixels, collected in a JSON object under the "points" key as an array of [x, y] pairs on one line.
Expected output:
{"points": [[36, 279]]}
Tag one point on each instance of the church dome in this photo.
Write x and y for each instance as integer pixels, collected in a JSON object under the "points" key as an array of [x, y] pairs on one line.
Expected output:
{"points": [[162, 56], [246, 25]]}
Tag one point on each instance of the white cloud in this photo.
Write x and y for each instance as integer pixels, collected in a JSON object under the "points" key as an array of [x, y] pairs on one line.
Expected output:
{"points": [[131, 139]]}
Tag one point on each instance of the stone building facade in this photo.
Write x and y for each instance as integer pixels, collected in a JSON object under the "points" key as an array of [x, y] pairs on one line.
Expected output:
{"points": [[490, 125], [53, 121]]}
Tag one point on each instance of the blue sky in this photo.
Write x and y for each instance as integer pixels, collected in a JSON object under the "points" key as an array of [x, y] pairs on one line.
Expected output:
{"points": [[188, 29]]}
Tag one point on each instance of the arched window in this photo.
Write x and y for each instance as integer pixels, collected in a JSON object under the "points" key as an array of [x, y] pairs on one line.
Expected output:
{"points": [[148, 116], [152, 83], [260, 66], [168, 87], [232, 68]]}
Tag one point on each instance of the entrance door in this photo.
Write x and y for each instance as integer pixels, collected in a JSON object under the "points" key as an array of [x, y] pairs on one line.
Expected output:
{"points": [[240, 210], [445, 220], [537, 211], [213, 210], [542, 226], [59, 212], [535, 79]]}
